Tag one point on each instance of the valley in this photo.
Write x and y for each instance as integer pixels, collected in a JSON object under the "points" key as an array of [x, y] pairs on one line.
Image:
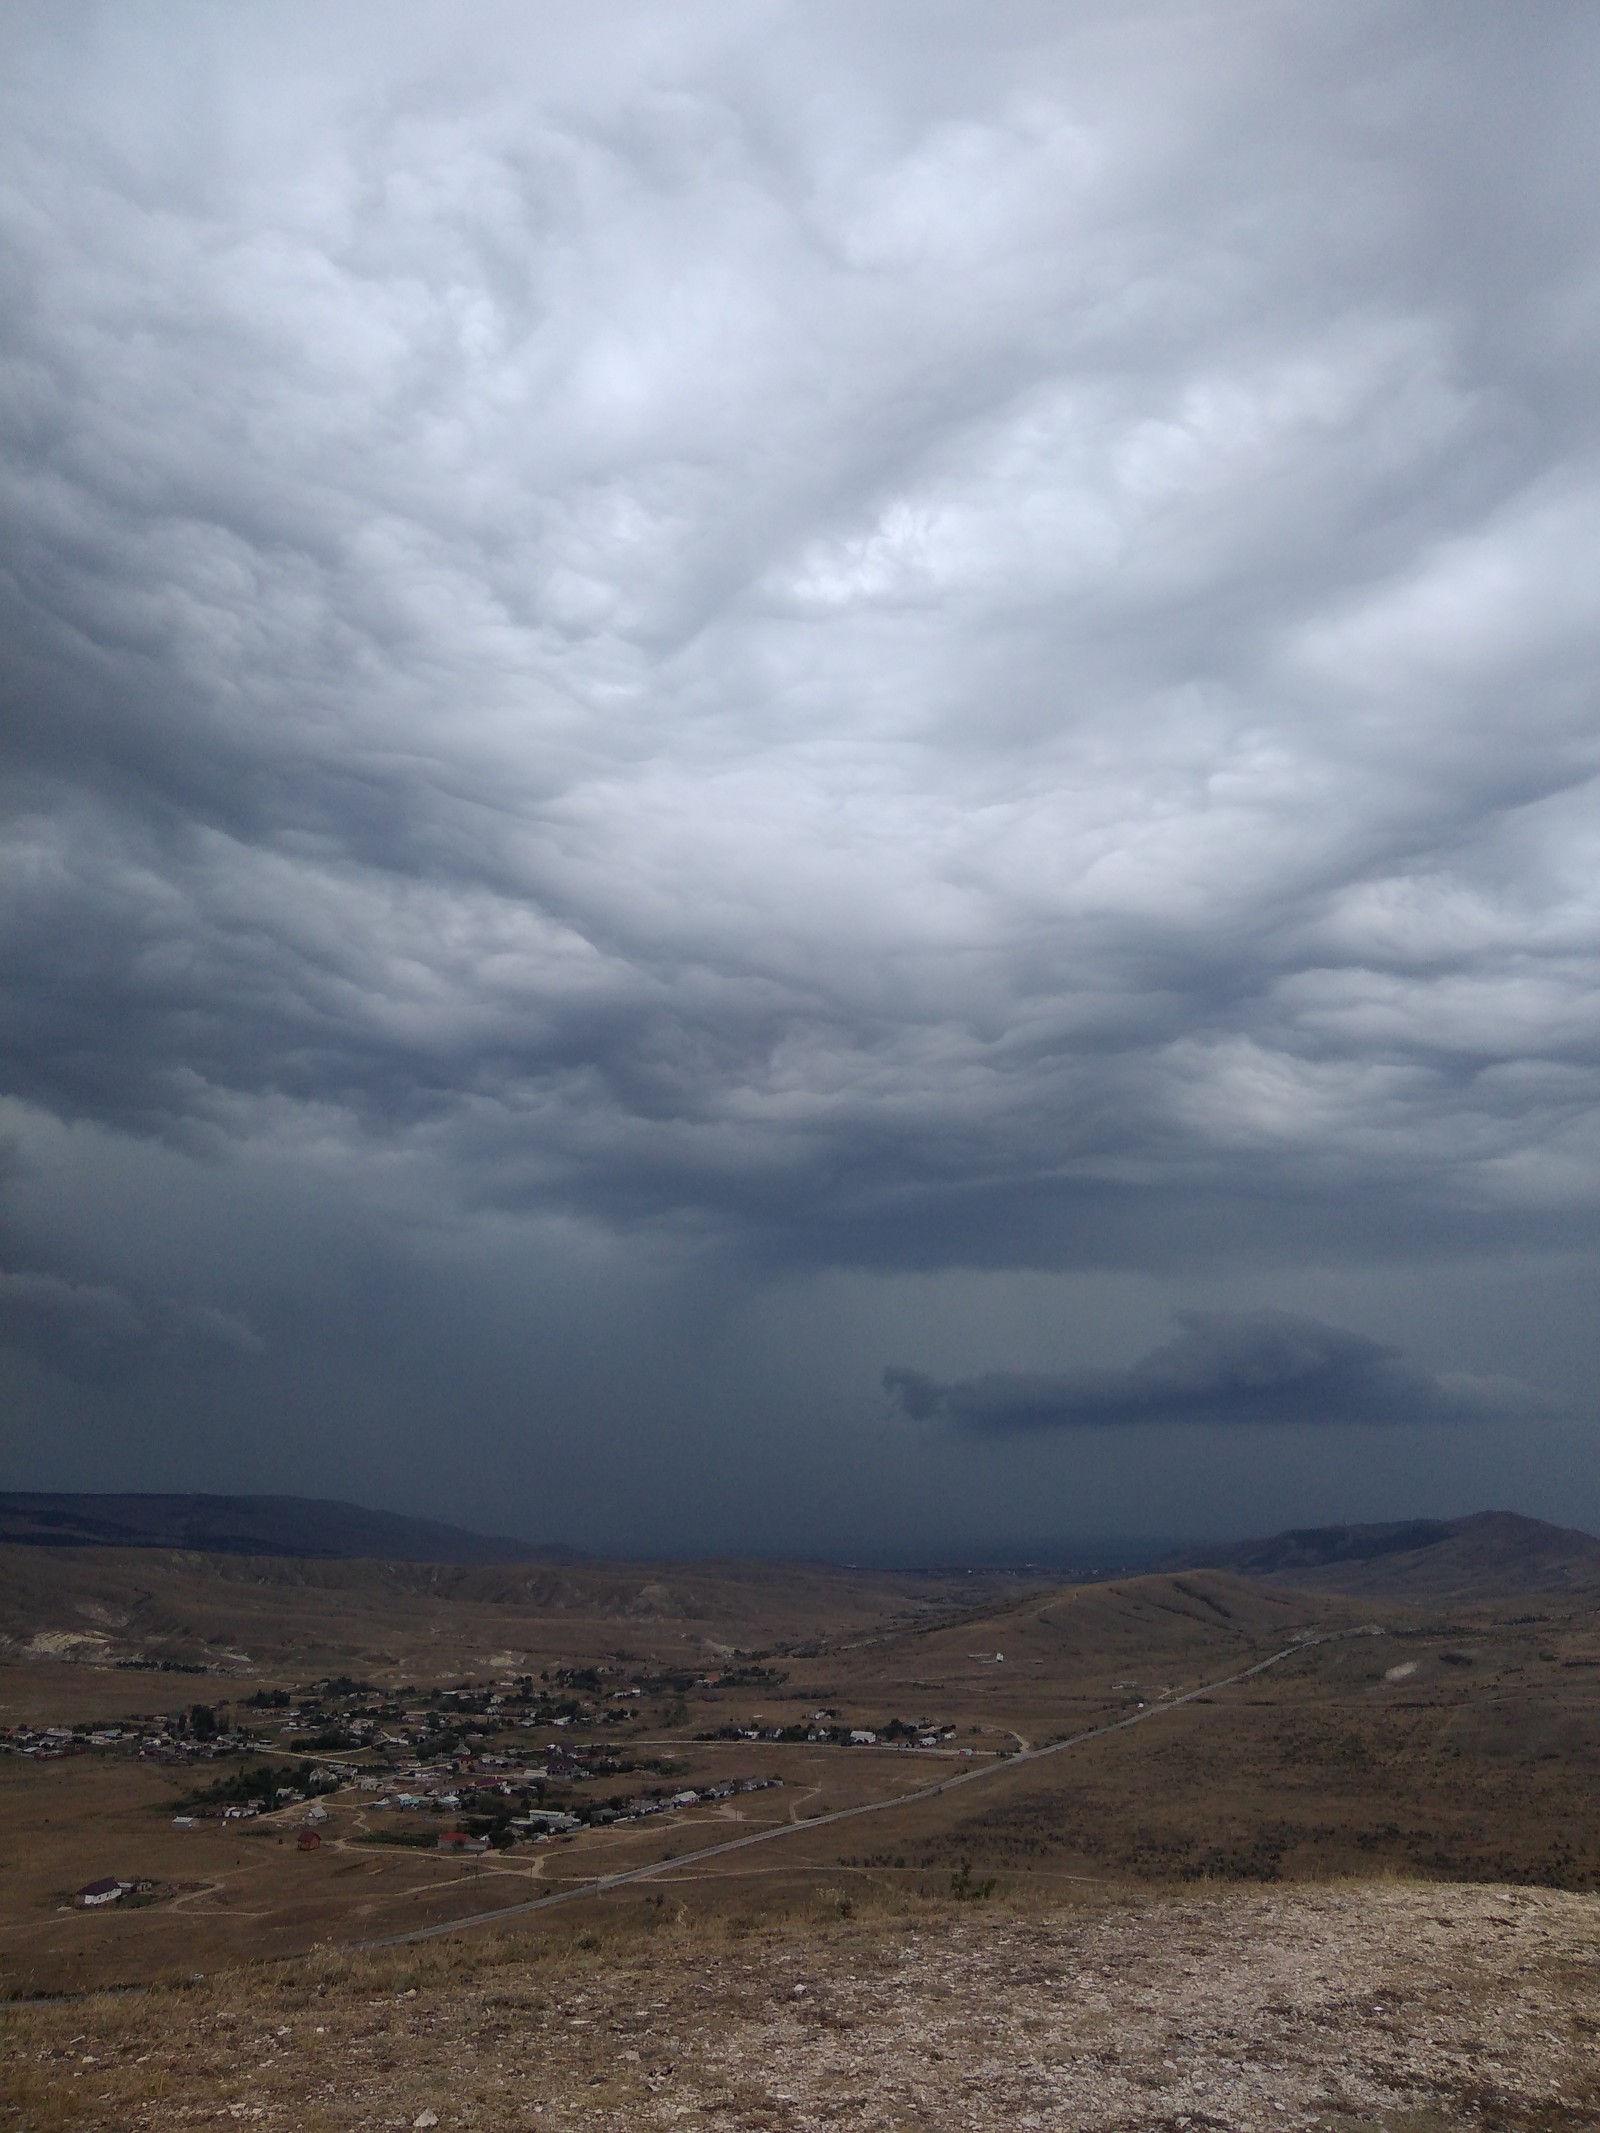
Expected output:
{"points": [[484, 1738]]}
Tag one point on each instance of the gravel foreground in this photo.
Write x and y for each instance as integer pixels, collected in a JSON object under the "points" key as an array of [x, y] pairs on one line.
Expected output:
{"points": [[1407, 2007]]}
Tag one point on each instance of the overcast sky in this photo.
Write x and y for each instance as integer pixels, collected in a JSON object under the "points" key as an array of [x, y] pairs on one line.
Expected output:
{"points": [[805, 776]]}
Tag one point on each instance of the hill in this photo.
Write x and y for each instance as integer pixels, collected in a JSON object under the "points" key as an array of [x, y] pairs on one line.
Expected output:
{"points": [[129, 1606], [1207, 2009], [1491, 1556], [309, 1527]]}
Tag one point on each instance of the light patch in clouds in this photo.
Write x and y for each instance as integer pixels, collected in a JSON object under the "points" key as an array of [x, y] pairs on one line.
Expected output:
{"points": [[1222, 1367]]}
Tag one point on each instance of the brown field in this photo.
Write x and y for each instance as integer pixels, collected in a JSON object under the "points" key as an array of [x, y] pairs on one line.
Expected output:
{"points": [[1437, 1752]]}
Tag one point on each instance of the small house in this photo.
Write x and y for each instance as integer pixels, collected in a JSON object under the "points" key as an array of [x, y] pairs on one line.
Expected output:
{"points": [[457, 1841], [309, 1841], [95, 1893]]}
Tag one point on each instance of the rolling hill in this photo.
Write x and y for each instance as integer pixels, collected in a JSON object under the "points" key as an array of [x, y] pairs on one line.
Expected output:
{"points": [[1491, 1556], [129, 1606]]}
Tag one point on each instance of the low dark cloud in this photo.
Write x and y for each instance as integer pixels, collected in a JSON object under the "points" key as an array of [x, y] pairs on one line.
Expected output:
{"points": [[96, 1329], [1222, 1367]]}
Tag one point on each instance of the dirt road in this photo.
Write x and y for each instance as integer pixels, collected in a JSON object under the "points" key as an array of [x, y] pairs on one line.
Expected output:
{"points": [[974, 1776]]}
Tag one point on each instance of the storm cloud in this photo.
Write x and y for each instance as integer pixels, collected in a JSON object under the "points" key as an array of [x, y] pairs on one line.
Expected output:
{"points": [[91, 1328], [1270, 1366], [801, 639]]}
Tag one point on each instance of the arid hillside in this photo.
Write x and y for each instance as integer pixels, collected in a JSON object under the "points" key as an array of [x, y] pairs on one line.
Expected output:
{"points": [[1414, 2009], [246, 1614]]}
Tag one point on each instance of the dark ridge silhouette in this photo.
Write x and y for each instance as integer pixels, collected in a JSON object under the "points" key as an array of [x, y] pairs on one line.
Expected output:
{"points": [[306, 1526]]}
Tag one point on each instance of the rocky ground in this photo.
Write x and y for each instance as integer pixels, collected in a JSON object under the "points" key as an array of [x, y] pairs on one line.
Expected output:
{"points": [[1410, 2007]]}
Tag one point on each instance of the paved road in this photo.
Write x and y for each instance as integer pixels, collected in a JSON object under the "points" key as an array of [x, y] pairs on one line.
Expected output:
{"points": [[974, 1776]]}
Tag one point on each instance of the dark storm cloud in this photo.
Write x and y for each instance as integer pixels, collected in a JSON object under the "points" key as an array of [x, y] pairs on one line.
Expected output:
{"points": [[1267, 1366], [89, 1329], [923, 640]]}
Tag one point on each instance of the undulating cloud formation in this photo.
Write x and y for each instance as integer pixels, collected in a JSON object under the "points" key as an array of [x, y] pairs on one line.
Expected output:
{"points": [[783, 650], [1222, 1367]]}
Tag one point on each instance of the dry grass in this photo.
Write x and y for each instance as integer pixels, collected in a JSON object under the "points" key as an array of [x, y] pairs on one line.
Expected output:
{"points": [[250, 1616], [1459, 1769], [1389, 2005], [1167, 1944]]}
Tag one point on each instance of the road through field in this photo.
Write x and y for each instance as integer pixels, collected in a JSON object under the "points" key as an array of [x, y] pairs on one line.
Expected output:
{"points": [[974, 1776]]}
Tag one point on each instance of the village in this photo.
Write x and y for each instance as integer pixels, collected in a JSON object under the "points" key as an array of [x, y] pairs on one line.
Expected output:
{"points": [[460, 1769], [343, 1725]]}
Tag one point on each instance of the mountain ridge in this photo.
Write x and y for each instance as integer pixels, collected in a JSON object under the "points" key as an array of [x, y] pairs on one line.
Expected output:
{"points": [[314, 1528]]}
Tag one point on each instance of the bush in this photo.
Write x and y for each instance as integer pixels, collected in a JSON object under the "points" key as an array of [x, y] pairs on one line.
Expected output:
{"points": [[964, 1889]]}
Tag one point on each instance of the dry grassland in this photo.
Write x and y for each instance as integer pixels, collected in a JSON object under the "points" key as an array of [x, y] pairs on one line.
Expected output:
{"points": [[1354, 1891], [1409, 2008], [1462, 1750], [1478, 1764], [237, 1892], [266, 1616]]}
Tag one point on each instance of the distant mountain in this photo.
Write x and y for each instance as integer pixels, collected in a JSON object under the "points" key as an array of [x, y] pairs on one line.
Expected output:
{"points": [[306, 1526], [1493, 1555]]}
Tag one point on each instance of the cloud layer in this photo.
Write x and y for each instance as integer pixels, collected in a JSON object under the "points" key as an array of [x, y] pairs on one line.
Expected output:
{"points": [[1265, 1367], [792, 652], [860, 664]]}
